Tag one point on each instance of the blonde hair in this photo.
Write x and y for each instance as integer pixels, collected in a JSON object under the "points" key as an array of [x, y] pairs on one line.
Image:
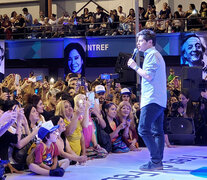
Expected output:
{"points": [[60, 109], [125, 103], [52, 92]]}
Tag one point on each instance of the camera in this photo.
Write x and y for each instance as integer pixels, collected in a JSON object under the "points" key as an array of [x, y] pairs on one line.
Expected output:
{"points": [[177, 105], [110, 76]]}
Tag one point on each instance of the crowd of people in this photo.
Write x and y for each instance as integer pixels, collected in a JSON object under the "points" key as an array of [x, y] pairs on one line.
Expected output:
{"points": [[102, 23], [45, 127]]}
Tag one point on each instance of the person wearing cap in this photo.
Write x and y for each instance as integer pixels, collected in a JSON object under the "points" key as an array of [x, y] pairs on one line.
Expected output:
{"points": [[46, 153], [125, 94], [100, 93], [153, 98]]}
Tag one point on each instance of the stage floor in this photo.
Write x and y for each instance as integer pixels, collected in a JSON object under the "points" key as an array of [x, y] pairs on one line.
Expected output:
{"points": [[180, 163]]}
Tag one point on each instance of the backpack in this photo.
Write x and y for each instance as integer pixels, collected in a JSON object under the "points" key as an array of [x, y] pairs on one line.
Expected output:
{"points": [[31, 153]]}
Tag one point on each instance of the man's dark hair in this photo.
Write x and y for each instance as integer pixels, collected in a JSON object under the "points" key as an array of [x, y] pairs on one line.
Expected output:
{"points": [[148, 35], [193, 6], [25, 10], [180, 6], [54, 15]]}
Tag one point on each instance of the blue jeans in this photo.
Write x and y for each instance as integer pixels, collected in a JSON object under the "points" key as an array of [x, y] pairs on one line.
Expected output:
{"points": [[151, 130]]}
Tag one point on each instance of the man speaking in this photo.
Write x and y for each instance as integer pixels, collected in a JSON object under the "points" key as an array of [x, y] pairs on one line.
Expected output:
{"points": [[153, 98]]}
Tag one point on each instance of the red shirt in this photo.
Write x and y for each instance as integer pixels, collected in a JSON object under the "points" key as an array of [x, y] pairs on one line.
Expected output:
{"points": [[46, 155]]}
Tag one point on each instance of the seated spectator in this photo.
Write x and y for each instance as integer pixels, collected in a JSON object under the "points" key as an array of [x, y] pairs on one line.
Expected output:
{"points": [[63, 144], [13, 16], [41, 13], [184, 108], [42, 21], [125, 95], [177, 23], [93, 150], [36, 29], [99, 15], [165, 10], [142, 14], [46, 28], [125, 115], [124, 27], [18, 150], [73, 120], [151, 23], [162, 24], [203, 10], [53, 22], [131, 13], [81, 27], [193, 23], [6, 25], [1, 28], [92, 29], [86, 15], [114, 128], [203, 14], [7, 137], [38, 104], [180, 11], [45, 157], [103, 27], [19, 27], [150, 10]]}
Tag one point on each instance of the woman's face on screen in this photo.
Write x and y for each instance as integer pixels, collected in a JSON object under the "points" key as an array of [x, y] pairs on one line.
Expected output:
{"points": [[75, 61]]}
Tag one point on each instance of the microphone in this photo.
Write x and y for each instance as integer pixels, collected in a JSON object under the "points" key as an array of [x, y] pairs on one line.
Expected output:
{"points": [[135, 53]]}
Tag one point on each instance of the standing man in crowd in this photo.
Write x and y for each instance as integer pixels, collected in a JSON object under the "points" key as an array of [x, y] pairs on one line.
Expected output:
{"points": [[28, 17], [153, 98]]}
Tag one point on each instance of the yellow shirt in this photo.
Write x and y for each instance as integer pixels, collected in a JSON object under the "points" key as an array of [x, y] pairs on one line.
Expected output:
{"points": [[75, 138]]}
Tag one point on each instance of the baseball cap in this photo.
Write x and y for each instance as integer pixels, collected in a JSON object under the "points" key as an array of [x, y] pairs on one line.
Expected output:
{"points": [[125, 91], [46, 128], [99, 89]]}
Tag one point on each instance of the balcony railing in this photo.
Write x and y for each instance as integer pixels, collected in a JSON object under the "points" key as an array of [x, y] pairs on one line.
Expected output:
{"points": [[101, 29]]}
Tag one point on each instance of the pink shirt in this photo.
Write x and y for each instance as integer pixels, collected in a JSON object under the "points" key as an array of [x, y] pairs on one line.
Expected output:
{"points": [[88, 133]]}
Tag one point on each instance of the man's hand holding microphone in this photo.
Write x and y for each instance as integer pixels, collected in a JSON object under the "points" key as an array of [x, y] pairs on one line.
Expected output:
{"points": [[131, 62]]}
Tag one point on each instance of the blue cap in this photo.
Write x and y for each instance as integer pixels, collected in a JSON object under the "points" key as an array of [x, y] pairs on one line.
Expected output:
{"points": [[46, 128]]}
